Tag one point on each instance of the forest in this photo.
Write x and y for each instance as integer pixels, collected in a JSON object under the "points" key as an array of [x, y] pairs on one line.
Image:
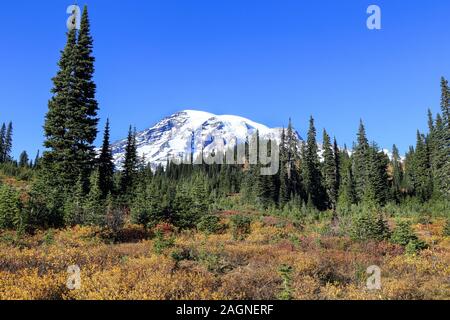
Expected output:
{"points": [[347, 202]]}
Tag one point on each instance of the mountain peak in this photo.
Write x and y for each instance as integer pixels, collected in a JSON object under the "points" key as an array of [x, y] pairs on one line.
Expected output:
{"points": [[189, 132]]}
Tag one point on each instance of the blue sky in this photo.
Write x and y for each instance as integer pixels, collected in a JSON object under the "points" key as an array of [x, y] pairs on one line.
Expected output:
{"points": [[265, 60]]}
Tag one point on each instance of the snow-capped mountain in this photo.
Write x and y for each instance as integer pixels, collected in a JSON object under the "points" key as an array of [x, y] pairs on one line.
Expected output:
{"points": [[189, 132]]}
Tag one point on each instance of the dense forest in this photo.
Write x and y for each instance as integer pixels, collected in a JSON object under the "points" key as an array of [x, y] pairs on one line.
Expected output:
{"points": [[73, 183]]}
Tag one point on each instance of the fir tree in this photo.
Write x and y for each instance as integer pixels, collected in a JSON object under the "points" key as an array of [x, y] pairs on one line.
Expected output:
{"points": [[2, 142], [337, 165], [37, 159], [71, 121], [6, 142], [106, 165], [311, 171], [329, 171], [130, 163], [360, 162], [94, 206], [74, 213], [376, 184], [423, 183], [397, 174], [347, 192], [59, 163], [285, 190], [24, 160]]}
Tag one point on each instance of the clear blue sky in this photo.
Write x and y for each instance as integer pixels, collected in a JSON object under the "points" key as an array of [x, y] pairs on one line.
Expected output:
{"points": [[265, 60]]}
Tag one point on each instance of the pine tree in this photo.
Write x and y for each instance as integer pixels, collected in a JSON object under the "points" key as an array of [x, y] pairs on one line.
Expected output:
{"points": [[37, 159], [74, 213], [285, 190], [58, 161], [71, 121], [397, 175], [2, 143], [6, 143], [347, 192], [106, 165], [377, 178], [337, 165], [360, 162], [441, 151], [329, 171], [94, 206], [423, 183], [311, 172], [83, 127], [445, 101], [24, 160], [129, 164]]}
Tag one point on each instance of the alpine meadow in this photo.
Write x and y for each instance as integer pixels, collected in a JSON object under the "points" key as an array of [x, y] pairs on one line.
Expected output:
{"points": [[189, 210]]}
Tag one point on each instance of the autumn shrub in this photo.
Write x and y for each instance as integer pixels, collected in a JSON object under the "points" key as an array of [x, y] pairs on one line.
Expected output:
{"points": [[240, 226]]}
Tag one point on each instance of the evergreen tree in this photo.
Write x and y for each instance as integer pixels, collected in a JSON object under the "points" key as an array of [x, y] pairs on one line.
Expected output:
{"points": [[94, 206], [130, 163], [360, 161], [337, 165], [74, 213], [377, 178], [106, 165], [2, 142], [37, 159], [441, 151], [445, 101], [10, 207], [285, 186], [59, 163], [24, 160], [423, 183], [311, 171], [6, 142], [71, 121], [329, 171], [397, 174], [83, 127], [347, 192]]}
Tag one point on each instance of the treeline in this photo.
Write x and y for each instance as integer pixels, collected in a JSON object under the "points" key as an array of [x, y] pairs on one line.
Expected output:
{"points": [[76, 184]]}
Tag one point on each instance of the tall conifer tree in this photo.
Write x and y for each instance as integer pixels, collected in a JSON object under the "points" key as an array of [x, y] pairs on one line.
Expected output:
{"points": [[106, 165]]}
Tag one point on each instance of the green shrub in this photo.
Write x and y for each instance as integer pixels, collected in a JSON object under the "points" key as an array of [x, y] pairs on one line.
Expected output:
{"points": [[446, 231], [240, 226], [285, 272], [369, 226], [415, 246], [162, 242], [10, 208], [209, 224], [405, 236]]}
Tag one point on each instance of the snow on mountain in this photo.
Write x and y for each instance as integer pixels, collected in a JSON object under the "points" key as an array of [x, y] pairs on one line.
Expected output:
{"points": [[189, 132]]}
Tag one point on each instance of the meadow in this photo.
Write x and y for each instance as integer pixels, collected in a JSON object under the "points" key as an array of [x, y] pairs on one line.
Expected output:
{"points": [[275, 258]]}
